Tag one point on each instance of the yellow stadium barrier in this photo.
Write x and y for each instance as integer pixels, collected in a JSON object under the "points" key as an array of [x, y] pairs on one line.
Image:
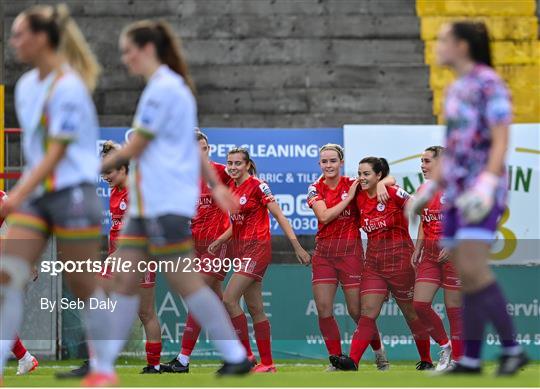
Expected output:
{"points": [[500, 28], [475, 7]]}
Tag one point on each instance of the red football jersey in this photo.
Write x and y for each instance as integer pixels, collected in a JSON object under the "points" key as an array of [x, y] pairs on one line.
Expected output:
{"points": [[118, 204], [340, 237], [210, 221], [251, 222], [389, 246], [2, 197], [432, 226]]}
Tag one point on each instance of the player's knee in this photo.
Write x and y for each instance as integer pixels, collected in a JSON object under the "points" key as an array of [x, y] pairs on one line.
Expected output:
{"points": [[421, 308], [146, 314], [14, 272], [230, 302], [369, 310], [354, 313], [255, 309], [324, 308]]}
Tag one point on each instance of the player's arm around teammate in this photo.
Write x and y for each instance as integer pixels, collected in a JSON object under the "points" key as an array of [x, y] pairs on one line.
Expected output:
{"points": [[252, 245], [57, 192], [433, 271], [338, 257]]}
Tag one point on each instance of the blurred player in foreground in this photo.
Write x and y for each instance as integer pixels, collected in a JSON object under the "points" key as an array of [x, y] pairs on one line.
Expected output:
{"points": [[165, 164], [478, 114]]}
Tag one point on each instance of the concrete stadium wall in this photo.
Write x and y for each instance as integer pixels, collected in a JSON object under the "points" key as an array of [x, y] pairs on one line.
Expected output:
{"points": [[267, 63]]}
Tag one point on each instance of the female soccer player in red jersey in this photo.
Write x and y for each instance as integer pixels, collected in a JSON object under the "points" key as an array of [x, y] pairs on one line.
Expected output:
{"points": [[387, 265], [27, 362], [207, 225], [250, 232], [118, 204], [433, 270], [339, 257]]}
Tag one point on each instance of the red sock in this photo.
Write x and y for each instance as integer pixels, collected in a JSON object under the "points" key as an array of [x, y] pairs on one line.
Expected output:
{"points": [[433, 322], [240, 325], [330, 332], [153, 353], [362, 337], [189, 338], [18, 348], [421, 338], [376, 341], [456, 325], [262, 336]]}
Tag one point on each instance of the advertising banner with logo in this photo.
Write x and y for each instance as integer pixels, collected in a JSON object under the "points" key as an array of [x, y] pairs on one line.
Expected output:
{"points": [[518, 236], [287, 159]]}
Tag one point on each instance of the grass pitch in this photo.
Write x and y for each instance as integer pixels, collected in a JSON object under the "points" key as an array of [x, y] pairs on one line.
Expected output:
{"points": [[296, 373]]}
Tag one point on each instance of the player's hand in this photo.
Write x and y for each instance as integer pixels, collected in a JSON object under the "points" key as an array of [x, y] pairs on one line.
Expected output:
{"points": [[416, 257], [224, 198], [382, 193], [352, 190], [214, 247], [476, 203], [444, 255], [303, 256], [10, 204], [415, 204]]}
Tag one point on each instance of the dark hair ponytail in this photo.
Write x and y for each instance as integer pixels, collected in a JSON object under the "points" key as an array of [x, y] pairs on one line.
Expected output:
{"points": [[242, 150], [477, 37], [168, 46], [379, 165]]}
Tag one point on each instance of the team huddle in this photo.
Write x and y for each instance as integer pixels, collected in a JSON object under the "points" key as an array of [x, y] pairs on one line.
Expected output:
{"points": [[223, 212]]}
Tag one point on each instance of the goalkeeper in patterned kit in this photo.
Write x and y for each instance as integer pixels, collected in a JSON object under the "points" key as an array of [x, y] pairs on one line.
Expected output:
{"points": [[434, 270], [478, 115], [339, 256], [208, 224]]}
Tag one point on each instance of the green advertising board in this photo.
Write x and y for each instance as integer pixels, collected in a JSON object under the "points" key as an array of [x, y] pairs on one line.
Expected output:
{"points": [[291, 309]]}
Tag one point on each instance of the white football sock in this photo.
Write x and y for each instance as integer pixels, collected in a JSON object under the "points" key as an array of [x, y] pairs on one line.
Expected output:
{"points": [[11, 314], [208, 311], [183, 359]]}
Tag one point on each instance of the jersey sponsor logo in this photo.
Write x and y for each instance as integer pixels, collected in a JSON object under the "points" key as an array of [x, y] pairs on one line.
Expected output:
{"points": [[381, 207], [237, 217], [344, 195], [402, 193], [243, 200], [116, 222], [372, 225], [123, 205], [431, 216], [205, 200]]}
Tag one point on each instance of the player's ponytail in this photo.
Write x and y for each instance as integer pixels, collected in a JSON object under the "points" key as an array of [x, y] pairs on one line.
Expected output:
{"points": [[65, 37], [379, 165], [168, 46], [252, 170]]}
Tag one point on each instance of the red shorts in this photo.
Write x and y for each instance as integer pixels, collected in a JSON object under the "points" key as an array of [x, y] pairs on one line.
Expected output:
{"points": [[400, 284], [344, 270], [212, 264], [252, 268], [441, 274]]}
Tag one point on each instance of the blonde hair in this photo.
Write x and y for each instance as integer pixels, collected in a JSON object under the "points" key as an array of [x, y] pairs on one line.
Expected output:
{"points": [[335, 147], [66, 38]]}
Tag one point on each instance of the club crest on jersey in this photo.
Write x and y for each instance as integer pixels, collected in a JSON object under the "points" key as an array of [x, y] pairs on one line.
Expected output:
{"points": [[123, 205], [442, 199], [380, 207], [344, 195], [243, 199]]}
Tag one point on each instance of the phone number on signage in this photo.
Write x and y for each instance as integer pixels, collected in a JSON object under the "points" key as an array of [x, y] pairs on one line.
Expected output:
{"points": [[523, 339], [298, 223]]}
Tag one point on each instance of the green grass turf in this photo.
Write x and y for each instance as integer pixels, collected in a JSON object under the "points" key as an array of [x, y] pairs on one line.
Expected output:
{"points": [[296, 373]]}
